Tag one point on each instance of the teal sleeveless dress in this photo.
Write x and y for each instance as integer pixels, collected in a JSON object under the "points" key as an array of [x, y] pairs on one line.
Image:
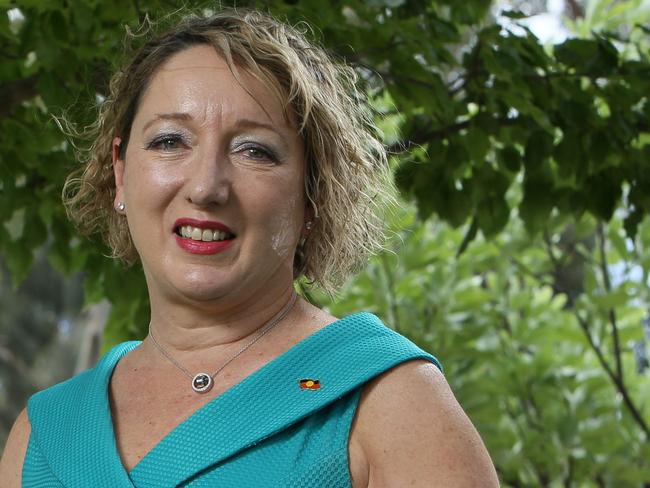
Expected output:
{"points": [[269, 430]]}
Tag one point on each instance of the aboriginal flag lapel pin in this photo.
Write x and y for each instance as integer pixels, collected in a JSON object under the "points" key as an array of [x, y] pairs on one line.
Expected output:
{"points": [[309, 384]]}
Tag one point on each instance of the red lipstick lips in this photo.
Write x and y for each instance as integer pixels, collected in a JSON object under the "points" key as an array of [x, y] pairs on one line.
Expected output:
{"points": [[202, 247]]}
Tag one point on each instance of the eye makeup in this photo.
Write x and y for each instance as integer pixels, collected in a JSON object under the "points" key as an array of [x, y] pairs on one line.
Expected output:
{"points": [[168, 141], [256, 151]]}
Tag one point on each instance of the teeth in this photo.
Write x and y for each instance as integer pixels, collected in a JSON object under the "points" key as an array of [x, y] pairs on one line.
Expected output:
{"points": [[198, 234]]}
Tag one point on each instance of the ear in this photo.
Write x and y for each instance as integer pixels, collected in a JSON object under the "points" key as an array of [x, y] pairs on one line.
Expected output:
{"points": [[118, 171]]}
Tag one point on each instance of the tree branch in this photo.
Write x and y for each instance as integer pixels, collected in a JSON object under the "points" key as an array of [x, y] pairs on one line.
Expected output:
{"points": [[442, 132], [575, 10], [613, 376], [620, 387], [611, 312], [529, 272], [567, 480], [584, 325]]}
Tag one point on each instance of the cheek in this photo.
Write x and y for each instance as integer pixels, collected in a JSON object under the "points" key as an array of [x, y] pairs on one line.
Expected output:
{"points": [[150, 185], [283, 224]]}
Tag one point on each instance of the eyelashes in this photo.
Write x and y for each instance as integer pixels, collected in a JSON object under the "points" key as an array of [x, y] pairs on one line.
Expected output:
{"points": [[174, 142], [256, 152], [167, 142]]}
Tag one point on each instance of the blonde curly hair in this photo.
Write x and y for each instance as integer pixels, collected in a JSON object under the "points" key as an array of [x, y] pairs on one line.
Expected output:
{"points": [[347, 183]]}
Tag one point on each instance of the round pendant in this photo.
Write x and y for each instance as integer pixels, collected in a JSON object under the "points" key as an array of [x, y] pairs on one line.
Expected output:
{"points": [[202, 383]]}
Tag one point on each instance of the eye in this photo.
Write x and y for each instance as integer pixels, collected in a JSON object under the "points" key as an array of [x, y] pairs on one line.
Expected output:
{"points": [[167, 142], [257, 153]]}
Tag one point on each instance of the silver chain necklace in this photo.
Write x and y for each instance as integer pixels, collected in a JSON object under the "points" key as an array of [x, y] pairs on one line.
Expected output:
{"points": [[203, 382]]}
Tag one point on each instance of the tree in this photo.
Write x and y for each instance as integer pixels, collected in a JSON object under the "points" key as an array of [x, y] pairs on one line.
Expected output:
{"points": [[551, 384]]}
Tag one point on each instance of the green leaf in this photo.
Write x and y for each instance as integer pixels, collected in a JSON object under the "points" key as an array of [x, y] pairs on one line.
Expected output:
{"points": [[514, 14], [537, 203], [470, 235], [568, 155], [19, 259], [631, 223], [58, 25], [603, 194], [597, 57], [611, 300], [538, 149], [509, 159], [478, 144], [492, 211], [492, 215], [523, 105], [53, 93], [35, 231]]}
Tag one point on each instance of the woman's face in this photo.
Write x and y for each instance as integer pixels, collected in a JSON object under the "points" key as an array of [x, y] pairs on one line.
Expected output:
{"points": [[212, 181]]}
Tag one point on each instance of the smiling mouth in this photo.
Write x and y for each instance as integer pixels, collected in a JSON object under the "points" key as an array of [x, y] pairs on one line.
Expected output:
{"points": [[203, 235]]}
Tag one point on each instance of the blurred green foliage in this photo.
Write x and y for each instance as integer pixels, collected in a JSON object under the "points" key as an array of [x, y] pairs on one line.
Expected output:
{"points": [[549, 377], [521, 256]]}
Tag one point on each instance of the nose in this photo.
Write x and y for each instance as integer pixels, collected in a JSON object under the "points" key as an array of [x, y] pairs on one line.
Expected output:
{"points": [[209, 179]]}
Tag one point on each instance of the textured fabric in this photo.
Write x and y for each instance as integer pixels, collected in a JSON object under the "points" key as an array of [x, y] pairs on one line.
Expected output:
{"points": [[38, 468], [264, 431]]}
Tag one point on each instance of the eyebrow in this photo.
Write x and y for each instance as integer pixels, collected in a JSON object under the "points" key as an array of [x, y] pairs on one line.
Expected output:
{"points": [[247, 123], [170, 116], [184, 116]]}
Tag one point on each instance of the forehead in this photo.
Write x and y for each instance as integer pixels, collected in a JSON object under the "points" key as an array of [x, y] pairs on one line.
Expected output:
{"points": [[198, 81]]}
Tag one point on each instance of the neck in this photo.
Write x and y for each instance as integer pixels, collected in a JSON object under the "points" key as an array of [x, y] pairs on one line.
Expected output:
{"points": [[194, 333]]}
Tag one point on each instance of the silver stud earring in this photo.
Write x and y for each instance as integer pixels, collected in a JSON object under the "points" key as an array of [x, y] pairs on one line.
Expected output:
{"points": [[120, 207], [308, 225]]}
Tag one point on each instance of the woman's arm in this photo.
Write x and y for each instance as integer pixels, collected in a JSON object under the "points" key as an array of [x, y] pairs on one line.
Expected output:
{"points": [[413, 432], [11, 464]]}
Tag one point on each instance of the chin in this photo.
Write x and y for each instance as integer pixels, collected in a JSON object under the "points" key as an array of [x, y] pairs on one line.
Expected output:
{"points": [[201, 296], [199, 292], [174, 281], [203, 285]]}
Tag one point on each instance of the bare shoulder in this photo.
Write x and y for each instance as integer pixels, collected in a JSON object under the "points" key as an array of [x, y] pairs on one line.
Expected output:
{"points": [[13, 456], [412, 432]]}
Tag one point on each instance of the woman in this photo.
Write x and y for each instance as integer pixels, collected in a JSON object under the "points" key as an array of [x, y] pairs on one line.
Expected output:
{"points": [[232, 157]]}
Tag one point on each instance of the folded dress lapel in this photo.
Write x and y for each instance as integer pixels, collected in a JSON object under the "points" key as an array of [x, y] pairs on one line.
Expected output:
{"points": [[72, 428], [317, 371]]}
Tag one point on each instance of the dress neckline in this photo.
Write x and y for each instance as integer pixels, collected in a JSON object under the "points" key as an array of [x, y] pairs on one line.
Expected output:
{"points": [[120, 350], [72, 423]]}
